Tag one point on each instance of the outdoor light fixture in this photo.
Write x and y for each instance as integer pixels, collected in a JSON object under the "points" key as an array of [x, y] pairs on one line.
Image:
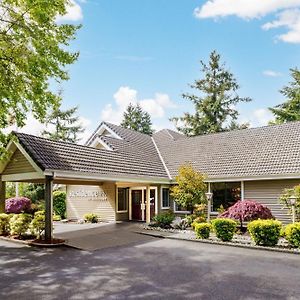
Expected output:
{"points": [[293, 204], [209, 196]]}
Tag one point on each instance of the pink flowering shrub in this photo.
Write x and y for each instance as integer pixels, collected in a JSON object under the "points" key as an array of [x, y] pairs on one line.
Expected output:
{"points": [[17, 205], [247, 210]]}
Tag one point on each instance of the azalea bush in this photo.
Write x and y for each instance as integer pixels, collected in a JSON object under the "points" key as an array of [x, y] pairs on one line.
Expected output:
{"points": [[247, 210], [19, 224], [4, 224], [224, 228], [17, 205], [265, 232], [292, 234]]}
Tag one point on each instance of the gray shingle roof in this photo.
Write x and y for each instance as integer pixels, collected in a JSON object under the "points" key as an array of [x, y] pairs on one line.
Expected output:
{"points": [[255, 152], [128, 160]]}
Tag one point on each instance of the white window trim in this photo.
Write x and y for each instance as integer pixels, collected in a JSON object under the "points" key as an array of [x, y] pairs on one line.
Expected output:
{"points": [[161, 197], [117, 202], [180, 211]]}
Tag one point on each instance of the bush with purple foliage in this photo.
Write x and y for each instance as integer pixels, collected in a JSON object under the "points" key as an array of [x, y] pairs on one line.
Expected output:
{"points": [[17, 205], [247, 210]]}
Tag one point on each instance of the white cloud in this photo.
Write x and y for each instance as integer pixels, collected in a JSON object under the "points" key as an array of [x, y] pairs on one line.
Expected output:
{"points": [[271, 73], [257, 118], [288, 13], [125, 95], [74, 12]]}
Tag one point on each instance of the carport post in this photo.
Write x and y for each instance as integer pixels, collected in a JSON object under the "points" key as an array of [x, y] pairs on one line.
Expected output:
{"points": [[48, 207], [2, 195]]}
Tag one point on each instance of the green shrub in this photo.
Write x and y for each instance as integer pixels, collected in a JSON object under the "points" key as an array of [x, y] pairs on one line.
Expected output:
{"points": [[90, 218], [37, 225], [224, 228], [56, 218], [4, 224], [59, 203], [292, 234], [19, 224], [164, 220], [198, 220], [202, 230], [265, 232]]}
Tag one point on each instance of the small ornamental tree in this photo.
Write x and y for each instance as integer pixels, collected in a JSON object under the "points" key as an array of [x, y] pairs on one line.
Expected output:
{"points": [[247, 210], [17, 205], [285, 199], [190, 189]]}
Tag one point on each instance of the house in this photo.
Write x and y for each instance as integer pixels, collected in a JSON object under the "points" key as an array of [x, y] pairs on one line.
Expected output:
{"points": [[118, 169]]}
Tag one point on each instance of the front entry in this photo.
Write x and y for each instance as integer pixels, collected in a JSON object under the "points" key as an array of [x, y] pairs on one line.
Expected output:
{"points": [[138, 203]]}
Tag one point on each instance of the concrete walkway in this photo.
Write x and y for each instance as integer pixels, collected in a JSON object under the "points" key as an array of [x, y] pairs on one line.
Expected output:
{"points": [[92, 237]]}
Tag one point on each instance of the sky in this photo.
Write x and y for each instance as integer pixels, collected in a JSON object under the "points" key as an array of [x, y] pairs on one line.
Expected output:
{"points": [[149, 51]]}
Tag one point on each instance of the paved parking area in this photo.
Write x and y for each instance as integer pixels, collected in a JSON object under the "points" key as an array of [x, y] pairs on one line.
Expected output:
{"points": [[92, 237], [153, 269]]}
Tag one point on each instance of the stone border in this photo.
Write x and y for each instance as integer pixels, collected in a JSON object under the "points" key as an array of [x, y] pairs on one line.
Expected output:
{"points": [[32, 243], [207, 241]]}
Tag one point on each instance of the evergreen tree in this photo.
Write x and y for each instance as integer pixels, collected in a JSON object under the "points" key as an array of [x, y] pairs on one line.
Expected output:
{"points": [[33, 50], [66, 125], [289, 110], [215, 102], [136, 119]]}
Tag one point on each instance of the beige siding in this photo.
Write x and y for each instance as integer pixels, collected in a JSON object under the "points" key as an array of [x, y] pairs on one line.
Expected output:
{"points": [[91, 199], [18, 164], [267, 192]]}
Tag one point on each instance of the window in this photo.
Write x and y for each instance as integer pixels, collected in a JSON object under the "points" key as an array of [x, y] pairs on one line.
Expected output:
{"points": [[165, 200], [225, 194], [180, 209], [122, 200]]}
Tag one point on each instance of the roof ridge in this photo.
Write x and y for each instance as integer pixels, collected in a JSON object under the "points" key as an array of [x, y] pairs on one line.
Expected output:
{"points": [[161, 159]]}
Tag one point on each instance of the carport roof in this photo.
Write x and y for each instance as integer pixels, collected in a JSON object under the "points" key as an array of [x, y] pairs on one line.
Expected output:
{"points": [[142, 161]]}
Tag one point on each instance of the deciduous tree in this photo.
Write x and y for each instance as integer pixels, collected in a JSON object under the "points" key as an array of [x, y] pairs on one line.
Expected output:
{"points": [[33, 50]]}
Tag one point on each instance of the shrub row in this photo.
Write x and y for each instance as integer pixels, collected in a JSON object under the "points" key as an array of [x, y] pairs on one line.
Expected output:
{"points": [[262, 232], [20, 224]]}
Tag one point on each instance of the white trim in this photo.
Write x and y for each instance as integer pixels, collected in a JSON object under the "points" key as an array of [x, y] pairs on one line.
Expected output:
{"points": [[242, 190], [130, 205], [99, 131], [161, 197], [99, 141], [161, 158], [22, 176], [99, 177], [254, 178], [180, 211], [117, 201]]}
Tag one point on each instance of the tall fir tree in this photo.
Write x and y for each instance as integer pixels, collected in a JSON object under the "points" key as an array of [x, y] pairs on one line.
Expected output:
{"points": [[65, 123], [289, 110], [215, 101], [136, 119], [33, 50]]}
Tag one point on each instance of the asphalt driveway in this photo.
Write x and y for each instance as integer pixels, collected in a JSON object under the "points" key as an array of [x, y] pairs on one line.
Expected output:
{"points": [[153, 269]]}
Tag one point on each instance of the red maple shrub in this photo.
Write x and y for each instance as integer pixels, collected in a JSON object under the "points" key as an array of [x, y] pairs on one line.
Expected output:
{"points": [[247, 210]]}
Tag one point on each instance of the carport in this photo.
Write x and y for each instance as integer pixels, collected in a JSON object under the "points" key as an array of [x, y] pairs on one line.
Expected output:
{"points": [[37, 160]]}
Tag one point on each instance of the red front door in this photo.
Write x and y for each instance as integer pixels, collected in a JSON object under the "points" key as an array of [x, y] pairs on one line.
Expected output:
{"points": [[137, 198]]}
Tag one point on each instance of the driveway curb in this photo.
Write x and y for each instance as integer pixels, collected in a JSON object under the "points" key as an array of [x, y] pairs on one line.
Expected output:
{"points": [[230, 244]]}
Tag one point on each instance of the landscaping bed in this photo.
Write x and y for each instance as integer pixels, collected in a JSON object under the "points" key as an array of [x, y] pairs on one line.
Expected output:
{"points": [[238, 240]]}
